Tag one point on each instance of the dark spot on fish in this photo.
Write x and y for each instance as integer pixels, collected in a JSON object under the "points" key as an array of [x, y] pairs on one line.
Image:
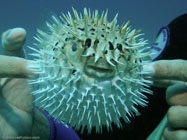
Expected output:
{"points": [[66, 39], [92, 29], [88, 42], [93, 34], [93, 55], [103, 29], [106, 52], [119, 46], [116, 37], [73, 72], [68, 24], [111, 47], [74, 47], [96, 42], [56, 44], [128, 58], [82, 29], [108, 28], [126, 50], [54, 49], [102, 35], [63, 46], [126, 44], [135, 61]]}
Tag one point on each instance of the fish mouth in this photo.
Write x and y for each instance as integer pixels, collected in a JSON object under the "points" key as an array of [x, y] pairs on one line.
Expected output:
{"points": [[99, 69], [99, 72]]}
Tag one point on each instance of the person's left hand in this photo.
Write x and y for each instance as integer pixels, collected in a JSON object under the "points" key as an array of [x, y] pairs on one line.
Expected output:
{"points": [[172, 74], [18, 115]]}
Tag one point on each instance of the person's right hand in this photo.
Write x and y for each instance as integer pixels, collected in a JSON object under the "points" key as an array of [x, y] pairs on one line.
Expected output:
{"points": [[172, 74], [18, 117]]}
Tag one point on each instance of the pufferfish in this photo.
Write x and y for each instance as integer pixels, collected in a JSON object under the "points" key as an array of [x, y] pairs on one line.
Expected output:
{"points": [[91, 71]]}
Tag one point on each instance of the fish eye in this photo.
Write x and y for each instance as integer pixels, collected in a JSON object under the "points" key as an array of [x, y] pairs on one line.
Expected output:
{"points": [[74, 47]]}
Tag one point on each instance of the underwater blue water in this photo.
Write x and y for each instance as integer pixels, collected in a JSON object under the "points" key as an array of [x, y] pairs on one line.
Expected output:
{"points": [[145, 14]]}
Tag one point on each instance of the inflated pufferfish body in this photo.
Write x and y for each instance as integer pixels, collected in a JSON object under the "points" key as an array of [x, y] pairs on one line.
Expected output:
{"points": [[91, 71]]}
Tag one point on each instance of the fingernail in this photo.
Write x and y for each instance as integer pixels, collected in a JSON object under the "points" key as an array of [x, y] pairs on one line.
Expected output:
{"points": [[149, 69], [16, 36]]}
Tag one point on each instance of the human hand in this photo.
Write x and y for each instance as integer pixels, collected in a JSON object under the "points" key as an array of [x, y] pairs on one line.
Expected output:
{"points": [[17, 113], [172, 74]]}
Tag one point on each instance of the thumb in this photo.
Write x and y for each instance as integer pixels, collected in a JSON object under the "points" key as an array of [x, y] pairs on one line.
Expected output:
{"points": [[12, 42]]}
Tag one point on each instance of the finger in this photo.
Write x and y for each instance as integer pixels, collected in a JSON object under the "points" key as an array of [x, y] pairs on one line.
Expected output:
{"points": [[167, 83], [12, 42], [168, 69], [17, 67], [177, 94], [172, 134], [177, 116]]}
